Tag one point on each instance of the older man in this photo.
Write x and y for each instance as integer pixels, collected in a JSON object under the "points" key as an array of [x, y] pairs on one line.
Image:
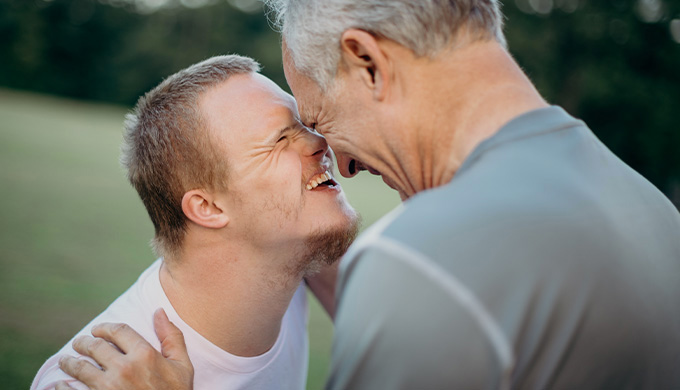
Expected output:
{"points": [[526, 256], [244, 205]]}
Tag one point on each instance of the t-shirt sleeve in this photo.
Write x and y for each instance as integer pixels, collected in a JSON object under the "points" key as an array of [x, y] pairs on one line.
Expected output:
{"points": [[50, 374], [397, 327]]}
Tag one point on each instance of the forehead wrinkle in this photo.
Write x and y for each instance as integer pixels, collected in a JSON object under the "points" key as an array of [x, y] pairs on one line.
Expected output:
{"points": [[306, 113], [325, 124]]}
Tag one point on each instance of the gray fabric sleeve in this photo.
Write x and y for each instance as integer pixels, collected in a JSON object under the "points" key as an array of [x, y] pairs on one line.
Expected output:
{"points": [[396, 328]]}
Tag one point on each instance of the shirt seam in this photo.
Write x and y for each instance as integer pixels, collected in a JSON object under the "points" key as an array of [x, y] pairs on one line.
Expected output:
{"points": [[459, 292], [483, 149]]}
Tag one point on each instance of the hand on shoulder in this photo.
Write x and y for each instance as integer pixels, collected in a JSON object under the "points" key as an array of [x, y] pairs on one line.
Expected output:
{"points": [[128, 361]]}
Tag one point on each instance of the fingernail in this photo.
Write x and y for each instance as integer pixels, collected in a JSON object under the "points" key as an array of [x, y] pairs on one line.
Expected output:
{"points": [[161, 312]]}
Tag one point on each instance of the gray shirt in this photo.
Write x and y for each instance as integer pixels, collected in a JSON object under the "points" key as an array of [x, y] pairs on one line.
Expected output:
{"points": [[546, 263]]}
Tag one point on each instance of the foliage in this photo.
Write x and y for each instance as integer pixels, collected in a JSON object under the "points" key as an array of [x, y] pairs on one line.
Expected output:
{"points": [[613, 63], [93, 50]]}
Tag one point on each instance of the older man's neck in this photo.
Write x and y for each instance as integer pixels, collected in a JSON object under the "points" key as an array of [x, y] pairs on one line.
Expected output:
{"points": [[480, 89], [237, 307]]}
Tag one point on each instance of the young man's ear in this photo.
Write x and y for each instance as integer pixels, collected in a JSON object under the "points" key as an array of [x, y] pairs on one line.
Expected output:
{"points": [[201, 208], [362, 53]]}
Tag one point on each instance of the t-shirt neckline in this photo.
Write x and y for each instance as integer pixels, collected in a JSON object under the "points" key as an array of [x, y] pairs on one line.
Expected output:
{"points": [[208, 351], [529, 124]]}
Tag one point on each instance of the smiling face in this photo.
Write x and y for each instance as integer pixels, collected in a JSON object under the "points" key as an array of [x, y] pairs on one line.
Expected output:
{"points": [[360, 137], [280, 186]]}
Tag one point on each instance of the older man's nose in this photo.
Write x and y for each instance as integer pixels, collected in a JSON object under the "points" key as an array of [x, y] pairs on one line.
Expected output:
{"points": [[348, 167]]}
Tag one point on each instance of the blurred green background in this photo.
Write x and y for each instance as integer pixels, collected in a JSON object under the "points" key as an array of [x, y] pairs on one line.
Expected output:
{"points": [[73, 234]]}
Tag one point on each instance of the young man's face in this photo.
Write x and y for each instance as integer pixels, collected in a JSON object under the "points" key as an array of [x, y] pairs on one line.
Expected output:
{"points": [[280, 185]]}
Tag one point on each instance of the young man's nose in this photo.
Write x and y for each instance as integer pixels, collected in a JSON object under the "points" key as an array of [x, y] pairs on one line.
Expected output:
{"points": [[315, 145]]}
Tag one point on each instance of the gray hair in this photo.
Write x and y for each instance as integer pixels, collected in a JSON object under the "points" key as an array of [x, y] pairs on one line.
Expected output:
{"points": [[312, 28], [167, 148]]}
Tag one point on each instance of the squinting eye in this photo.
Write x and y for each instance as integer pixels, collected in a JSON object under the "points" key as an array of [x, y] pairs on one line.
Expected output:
{"points": [[281, 139]]}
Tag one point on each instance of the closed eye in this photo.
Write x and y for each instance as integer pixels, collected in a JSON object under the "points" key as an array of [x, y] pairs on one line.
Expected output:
{"points": [[311, 126]]}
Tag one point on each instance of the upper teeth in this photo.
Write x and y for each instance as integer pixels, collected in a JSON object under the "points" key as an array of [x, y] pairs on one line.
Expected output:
{"points": [[318, 179]]}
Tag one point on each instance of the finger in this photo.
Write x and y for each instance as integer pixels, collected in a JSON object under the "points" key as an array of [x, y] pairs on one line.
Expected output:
{"points": [[121, 335], [173, 346], [61, 385], [80, 369], [98, 349]]}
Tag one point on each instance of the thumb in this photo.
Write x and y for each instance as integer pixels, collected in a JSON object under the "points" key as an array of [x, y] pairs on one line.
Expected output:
{"points": [[171, 338]]}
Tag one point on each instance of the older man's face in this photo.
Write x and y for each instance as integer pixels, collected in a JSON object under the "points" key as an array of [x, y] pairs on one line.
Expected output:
{"points": [[343, 116], [280, 187]]}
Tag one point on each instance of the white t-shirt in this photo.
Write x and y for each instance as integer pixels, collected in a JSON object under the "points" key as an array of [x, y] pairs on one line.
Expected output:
{"points": [[284, 366]]}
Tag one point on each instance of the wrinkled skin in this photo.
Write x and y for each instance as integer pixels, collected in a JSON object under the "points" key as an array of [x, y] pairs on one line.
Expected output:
{"points": [[136, 365]]}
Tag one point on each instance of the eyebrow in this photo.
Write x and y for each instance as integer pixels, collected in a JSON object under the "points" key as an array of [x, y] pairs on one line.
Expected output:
{"points": [[279, 134]]}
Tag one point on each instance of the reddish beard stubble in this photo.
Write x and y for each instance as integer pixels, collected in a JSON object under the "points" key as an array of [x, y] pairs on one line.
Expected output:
{"points": [[323, 248]]}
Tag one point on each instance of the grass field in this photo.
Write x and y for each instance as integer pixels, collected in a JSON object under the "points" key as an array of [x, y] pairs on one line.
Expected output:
{"points": [[74, 235]]}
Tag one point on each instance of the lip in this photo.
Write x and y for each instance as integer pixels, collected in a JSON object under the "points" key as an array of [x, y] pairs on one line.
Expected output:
{"points": [[373, 171], [334, 188], [323, 169], [389, 183], [360, 166]]}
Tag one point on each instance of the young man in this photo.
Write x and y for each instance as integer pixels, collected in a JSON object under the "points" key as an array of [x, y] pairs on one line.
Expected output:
{"points": [[244, 206], [527, 255]]}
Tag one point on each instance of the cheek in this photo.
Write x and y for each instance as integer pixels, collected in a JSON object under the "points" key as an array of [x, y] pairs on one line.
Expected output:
{"points": [[342, 146], [281, 188], [274, 208], [337, 137], [287, 171], [342, 129]]}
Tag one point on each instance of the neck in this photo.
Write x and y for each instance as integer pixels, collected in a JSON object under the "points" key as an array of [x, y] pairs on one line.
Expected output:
{"points": [[483, 88], [218, 292]]}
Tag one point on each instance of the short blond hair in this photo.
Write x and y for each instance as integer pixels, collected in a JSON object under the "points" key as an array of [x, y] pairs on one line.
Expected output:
{"points": [[168, 150]]}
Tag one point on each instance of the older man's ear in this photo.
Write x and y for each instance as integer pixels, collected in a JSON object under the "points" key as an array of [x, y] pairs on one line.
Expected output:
{"points": [[204, 209], [364, 55]]}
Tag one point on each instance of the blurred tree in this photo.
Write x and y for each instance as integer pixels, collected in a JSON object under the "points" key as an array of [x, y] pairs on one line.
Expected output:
{"points": [[114, 51], [613, 63], [616, 65]]}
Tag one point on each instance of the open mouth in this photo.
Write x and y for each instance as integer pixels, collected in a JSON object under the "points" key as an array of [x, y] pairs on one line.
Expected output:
{"points": [[321, 180]]}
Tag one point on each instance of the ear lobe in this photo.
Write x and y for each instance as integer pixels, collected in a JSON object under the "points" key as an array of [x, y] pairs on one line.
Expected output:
{"points": [[362, 55], [200, 207]]}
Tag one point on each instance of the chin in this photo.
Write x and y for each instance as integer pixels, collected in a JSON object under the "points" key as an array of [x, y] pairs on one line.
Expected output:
{"points": [[324, 246]]}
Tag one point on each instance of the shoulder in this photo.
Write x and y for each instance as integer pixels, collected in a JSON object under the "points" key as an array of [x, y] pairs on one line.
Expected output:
{"points": [[130, 307], [49, 373], [398, 308]]}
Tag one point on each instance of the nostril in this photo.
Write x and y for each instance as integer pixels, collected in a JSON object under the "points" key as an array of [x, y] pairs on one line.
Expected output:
{"points": [[352, 167], [320, 149]]}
